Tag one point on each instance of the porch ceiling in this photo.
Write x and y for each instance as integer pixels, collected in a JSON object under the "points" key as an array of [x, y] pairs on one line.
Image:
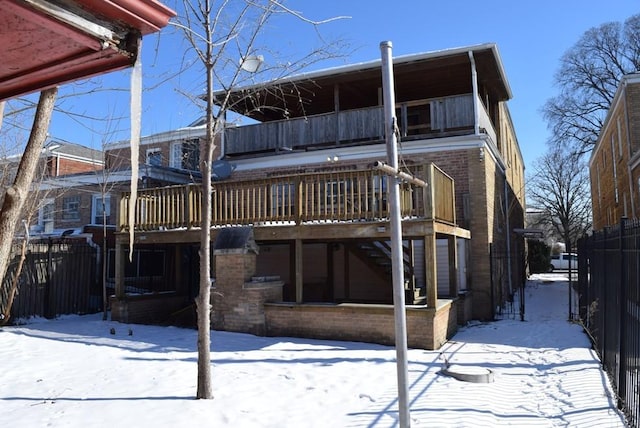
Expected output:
{"points": [[417, 77], [47, 43]]}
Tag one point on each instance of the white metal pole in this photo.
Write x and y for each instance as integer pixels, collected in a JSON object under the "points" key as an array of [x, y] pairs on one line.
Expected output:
{"points": [[396, 234]]}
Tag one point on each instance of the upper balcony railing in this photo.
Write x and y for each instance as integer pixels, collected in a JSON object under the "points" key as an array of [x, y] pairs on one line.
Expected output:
{"points": [[427, 118], [344, 196]]}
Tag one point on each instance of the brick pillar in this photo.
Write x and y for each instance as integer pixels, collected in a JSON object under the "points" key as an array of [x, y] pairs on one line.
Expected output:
{"points": [[237, 297]]}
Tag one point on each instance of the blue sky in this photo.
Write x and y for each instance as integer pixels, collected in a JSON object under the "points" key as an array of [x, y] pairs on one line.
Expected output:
{"points": [[531, 37]]}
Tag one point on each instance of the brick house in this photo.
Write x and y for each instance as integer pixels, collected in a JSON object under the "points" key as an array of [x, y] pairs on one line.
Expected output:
{"points": [[614, 166], [58, 160], [301, 177]]}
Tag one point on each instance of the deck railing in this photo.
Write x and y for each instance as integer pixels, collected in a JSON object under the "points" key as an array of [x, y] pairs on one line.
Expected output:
{"points": [[314, 197], [426, 118]]}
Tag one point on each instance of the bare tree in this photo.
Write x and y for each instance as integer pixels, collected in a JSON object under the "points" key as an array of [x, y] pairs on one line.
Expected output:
{"points": [[16, 195], [225, 35], [588, 77], [560, 190]]}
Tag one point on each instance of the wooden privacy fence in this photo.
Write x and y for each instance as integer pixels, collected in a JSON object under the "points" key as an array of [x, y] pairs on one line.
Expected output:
{"points": [[58, 277], [313, 197]]}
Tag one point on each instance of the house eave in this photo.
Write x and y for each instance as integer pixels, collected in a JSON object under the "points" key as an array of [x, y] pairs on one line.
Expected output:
{"points": [[49, 43], [438, 73]]}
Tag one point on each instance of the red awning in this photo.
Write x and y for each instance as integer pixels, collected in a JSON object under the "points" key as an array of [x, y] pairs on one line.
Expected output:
{"points": [[46, 43]]}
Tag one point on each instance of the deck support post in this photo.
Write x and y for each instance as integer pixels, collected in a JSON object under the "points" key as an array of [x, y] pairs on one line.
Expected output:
{"points": [[298, 269], [453, 266], [430, 270]]}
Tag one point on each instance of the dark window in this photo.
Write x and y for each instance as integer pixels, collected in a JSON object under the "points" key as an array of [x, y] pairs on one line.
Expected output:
{"points": [[71, 208]]}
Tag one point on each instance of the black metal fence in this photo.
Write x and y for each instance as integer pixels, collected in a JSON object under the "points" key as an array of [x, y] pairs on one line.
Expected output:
{"points": [[507, 296], [609, 305], [58, 277]]}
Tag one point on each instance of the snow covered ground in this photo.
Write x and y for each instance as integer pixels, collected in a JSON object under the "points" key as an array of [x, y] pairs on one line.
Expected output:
{"points": [[72, 372]]}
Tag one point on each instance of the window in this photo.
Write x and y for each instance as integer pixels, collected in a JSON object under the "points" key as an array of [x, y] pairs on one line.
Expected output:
{"points": [[144, 273], [45, 214], [154, 157], [185, 155], [615, 169], [71, 208], [619, 138], [145, 264], [101, 209], [335, 193], [379, 194], [282, 199]]}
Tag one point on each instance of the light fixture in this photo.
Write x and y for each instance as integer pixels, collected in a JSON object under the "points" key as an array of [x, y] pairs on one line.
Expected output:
{"points": [[333, 158], [251, 63]]}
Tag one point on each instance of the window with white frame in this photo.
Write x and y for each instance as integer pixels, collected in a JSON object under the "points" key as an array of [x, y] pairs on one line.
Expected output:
{"points": [[101, 209], [185, 154], [45, 213], [154, 157], [619, 138]]}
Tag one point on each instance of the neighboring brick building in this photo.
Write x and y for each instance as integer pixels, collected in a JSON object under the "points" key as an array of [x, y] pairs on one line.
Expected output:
{"points": [[58, 204], [614, 166]]}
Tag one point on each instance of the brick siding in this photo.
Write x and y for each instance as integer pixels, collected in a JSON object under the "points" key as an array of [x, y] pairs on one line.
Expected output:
{"points": [[427, 328]]}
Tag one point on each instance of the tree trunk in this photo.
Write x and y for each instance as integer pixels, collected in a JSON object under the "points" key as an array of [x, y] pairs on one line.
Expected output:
{"points": [[16, 194], [203, 302], [5, 314]]}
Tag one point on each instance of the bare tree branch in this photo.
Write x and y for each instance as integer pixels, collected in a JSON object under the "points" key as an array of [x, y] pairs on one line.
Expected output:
{"points": [[220, 35], [560, 189], [588, 78]]}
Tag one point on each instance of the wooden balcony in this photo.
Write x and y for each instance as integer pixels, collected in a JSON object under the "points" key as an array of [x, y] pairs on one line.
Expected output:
{"points": [[345, 196], [428, 118]]}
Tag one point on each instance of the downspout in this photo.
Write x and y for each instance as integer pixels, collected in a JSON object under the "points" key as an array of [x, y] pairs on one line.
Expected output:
{"points": [[474, 83], [57, 164], [508, 226]]}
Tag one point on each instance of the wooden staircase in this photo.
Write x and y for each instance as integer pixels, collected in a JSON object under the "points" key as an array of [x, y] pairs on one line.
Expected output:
{"points": [[376, 254]]}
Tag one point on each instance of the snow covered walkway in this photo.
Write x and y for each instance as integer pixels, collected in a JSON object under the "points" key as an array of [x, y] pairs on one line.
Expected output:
{"points": [[72, 372]]}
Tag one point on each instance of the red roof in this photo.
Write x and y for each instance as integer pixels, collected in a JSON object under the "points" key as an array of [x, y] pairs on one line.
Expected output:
{"points": [[45, 44]]}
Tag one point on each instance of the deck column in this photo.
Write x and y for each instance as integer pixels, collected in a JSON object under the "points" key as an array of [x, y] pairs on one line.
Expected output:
{"points": [[298, 253], [430, 270], [453, 266]]}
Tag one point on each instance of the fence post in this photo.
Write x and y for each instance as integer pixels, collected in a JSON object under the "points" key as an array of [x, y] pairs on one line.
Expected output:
{"points": [[48, 295], [623, 307], [603, 305]]}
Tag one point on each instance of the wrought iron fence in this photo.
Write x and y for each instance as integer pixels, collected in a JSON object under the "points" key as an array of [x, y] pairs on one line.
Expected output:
{"points": [[507, 296], [609, 306]]}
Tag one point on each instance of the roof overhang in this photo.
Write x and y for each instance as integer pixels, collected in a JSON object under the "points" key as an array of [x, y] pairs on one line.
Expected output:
{"points": [[417, 76], [46, 43]]}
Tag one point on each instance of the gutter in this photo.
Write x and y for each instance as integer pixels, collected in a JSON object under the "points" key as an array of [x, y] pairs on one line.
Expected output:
{"points": [[474, 83]]}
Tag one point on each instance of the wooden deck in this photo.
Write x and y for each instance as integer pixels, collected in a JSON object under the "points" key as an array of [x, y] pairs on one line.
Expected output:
{"points": [[317, 199]]}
